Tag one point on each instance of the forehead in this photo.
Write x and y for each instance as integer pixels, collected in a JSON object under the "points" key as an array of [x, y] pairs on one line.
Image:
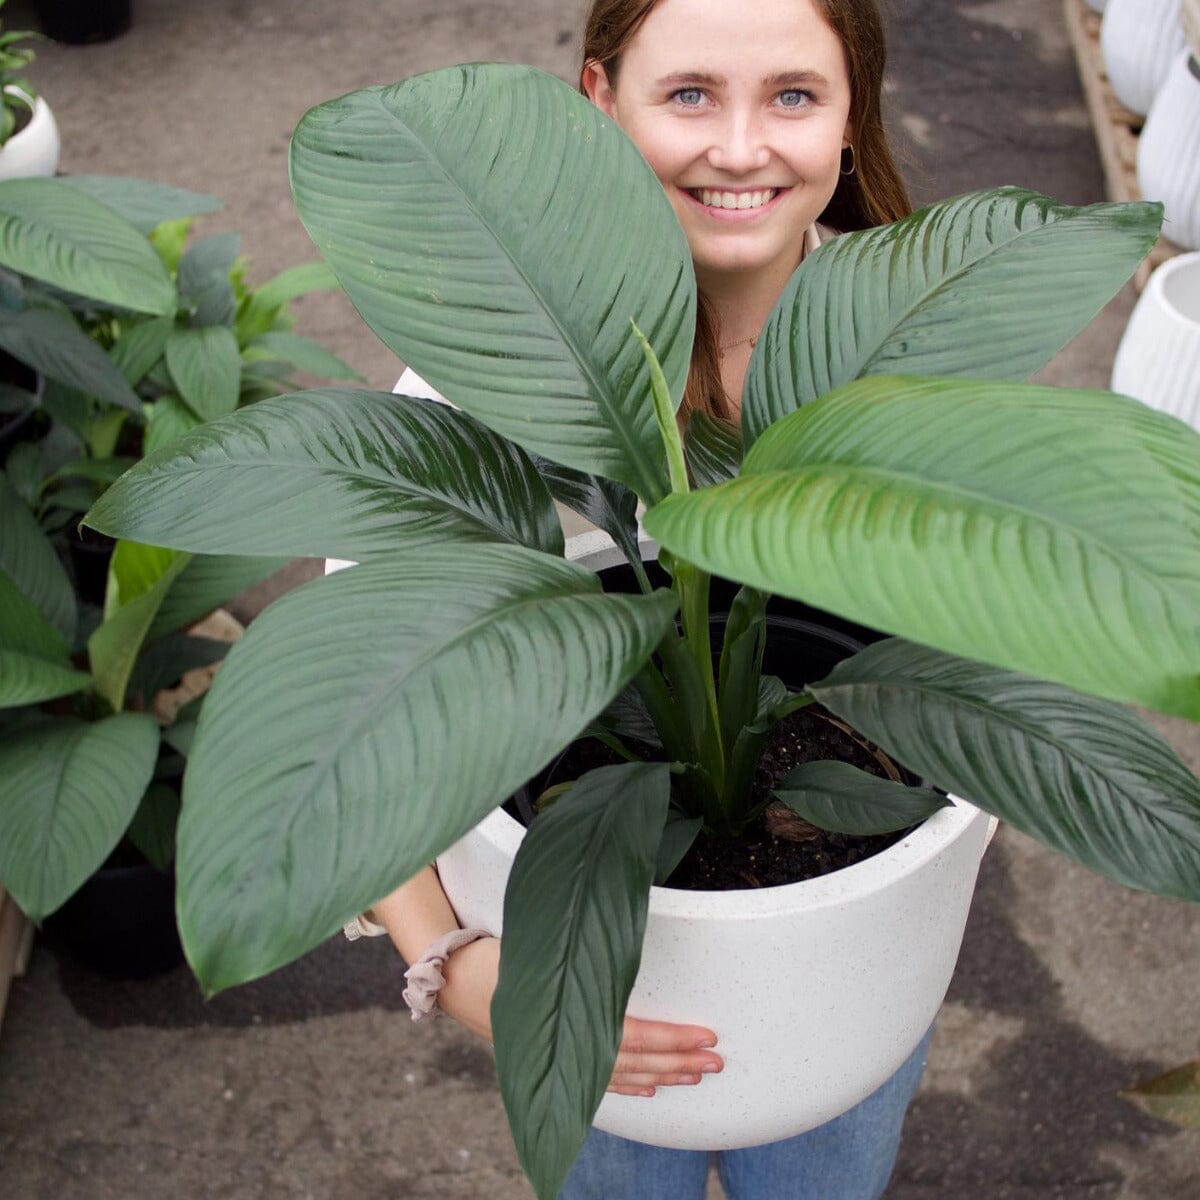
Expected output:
{"points": [[758, 40]]}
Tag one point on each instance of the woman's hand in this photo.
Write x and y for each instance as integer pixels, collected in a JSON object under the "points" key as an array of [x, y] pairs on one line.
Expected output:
{"points": [[659, 1054]]}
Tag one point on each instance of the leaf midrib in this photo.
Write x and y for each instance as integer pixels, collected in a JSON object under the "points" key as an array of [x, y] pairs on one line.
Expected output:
{"points": [[979, 500], [997, 712], [624, 434]]}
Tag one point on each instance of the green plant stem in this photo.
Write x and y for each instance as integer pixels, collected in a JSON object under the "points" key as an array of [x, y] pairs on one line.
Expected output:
{"points": [[664, 414]]}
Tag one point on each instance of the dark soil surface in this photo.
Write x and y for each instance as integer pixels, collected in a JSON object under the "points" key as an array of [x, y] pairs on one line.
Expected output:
{"points": [[778, 847]]}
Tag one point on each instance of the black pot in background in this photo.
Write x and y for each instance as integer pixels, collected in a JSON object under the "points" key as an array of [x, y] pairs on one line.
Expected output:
{"points": [[78, 21], [90, 556], [121, 923]]}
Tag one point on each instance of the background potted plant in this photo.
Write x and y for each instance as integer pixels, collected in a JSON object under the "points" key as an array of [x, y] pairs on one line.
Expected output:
{"points": [[139, 336], [999, 531], [29, 142]]}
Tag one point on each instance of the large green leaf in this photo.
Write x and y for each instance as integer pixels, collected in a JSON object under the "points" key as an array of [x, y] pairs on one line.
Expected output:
{"points": [[341, 473], [142, 203], [28, 558], [205, 289], [51, 342], [713, 448], [62, 236], [168, 419], [478, 219], [140, 346], [989, 285], [68, 789], [152, 829], [368, 719], [206, 368], [840, 797], [574, 918], [34, 658], [139, 579], [609, 506], [1083, 776], [1049, 531]]}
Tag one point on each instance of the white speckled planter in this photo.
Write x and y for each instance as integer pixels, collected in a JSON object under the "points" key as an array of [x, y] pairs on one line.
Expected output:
{"points": [[35, 150], [818, 990], [1168, 157], [1158, 360], [1138, 40]]}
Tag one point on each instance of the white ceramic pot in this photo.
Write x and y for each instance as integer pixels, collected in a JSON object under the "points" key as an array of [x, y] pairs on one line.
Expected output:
{"points": [[1158, 360], [818, 990], [1168, 159], [1139, 39], [35, 150]]}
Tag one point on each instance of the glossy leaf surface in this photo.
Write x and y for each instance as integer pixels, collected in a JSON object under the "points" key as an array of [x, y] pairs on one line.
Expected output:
{"points": [[713, 448], [989, 285], [511, 291], [206, 369], [68, 789], [1044, 530], [574, 918], [143, 203], [346, 763], [1083, 776], [34, 658], [27, 557], [62, 236], [343, 474]]}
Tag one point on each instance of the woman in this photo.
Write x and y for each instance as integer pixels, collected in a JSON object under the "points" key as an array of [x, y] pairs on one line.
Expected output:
{"points": [[759, 121]]}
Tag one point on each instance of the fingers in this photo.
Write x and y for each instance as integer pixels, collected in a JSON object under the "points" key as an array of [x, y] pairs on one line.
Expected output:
{"points": [[660, 1054]]}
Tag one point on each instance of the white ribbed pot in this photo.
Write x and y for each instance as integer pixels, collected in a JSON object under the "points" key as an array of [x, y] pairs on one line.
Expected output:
{"points": [[1168, 158], [1139, 39], [35, 150], [1158, 360], [818, 990]]}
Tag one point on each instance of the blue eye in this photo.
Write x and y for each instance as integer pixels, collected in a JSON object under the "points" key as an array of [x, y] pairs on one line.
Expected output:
{"points": [[794, 98], [689, 97]]}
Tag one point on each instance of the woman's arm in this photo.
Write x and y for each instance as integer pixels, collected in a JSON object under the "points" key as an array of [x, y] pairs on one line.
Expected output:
{"points": [[652, 1054]]}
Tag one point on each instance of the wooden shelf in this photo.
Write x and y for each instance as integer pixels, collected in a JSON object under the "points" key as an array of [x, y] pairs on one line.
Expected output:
{"points": [[16, 937], [1116, 128]]}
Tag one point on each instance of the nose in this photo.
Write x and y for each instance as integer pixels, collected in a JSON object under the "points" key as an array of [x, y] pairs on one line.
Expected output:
{"points": [[740, 145]]}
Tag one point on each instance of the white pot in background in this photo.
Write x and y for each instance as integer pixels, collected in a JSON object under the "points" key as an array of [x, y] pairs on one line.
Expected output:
{"points": [[33, 151], [1168, 157], [818, 990], [1139, 39], [1158, 360]]}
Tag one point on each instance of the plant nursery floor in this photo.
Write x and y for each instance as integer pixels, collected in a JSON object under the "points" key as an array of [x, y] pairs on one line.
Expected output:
{"points": [[314, 1083]]}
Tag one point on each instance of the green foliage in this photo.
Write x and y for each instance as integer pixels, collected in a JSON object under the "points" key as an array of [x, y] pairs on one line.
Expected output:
{"points": [[136, 337], [1041, 546], [14, 58]]}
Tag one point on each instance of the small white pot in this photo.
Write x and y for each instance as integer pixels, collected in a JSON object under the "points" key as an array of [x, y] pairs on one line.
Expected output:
{"points": [[818, 990], [1168, 159], [1139, 39], [35, 150], [1158, 360]]}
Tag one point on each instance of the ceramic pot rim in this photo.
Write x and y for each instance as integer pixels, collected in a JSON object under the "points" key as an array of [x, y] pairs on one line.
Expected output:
{"points": [[597, 551], [1156, 287]]}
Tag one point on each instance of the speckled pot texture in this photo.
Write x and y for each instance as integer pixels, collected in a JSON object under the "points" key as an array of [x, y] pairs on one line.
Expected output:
{"points": [[818, 990]]}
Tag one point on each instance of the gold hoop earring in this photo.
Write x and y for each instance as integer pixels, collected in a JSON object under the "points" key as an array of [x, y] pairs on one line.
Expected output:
{"points": [[853, 162]]}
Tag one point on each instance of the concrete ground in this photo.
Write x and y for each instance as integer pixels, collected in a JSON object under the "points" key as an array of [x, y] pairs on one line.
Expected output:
{"points": [[314, 1083]]}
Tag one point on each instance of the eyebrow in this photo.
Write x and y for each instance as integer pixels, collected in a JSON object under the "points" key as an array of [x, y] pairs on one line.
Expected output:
{"points": [[782, 79]]}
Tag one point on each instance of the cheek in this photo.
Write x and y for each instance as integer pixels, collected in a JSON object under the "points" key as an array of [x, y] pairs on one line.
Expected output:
{"points": [[661, 148]]}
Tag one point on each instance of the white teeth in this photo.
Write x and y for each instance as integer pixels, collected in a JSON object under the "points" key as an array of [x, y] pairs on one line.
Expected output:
{"points": [[712, 199]]}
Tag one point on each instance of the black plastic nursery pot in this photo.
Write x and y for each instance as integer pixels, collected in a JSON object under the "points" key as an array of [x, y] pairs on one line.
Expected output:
{"points": [[80, 21], [121, 923], [90, 554]]}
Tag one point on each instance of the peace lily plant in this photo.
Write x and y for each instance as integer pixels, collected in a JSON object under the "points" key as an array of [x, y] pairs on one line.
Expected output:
{"points": [[1035, 552]]}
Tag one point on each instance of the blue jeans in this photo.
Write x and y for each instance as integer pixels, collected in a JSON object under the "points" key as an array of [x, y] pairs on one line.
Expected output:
{"points": [[848, 1158]]}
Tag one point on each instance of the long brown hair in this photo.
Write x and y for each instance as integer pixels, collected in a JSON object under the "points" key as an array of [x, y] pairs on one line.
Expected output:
{"points": [[873, 194]]}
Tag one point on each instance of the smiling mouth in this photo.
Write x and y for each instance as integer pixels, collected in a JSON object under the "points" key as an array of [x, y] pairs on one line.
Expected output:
{"points": [[714, 198]]}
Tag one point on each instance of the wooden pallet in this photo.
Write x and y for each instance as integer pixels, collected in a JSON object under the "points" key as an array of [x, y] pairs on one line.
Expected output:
{"points": [[1115, 126], [16, 937]]}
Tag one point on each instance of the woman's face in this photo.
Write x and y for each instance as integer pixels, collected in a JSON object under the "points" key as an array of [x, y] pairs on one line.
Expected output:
{"points": [[742, 111]]}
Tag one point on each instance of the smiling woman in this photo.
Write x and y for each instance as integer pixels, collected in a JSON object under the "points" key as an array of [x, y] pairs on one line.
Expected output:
{"points": [[765, 132]]}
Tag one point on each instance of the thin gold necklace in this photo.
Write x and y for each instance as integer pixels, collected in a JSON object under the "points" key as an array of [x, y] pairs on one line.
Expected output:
{"points": [[752, 340]]}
